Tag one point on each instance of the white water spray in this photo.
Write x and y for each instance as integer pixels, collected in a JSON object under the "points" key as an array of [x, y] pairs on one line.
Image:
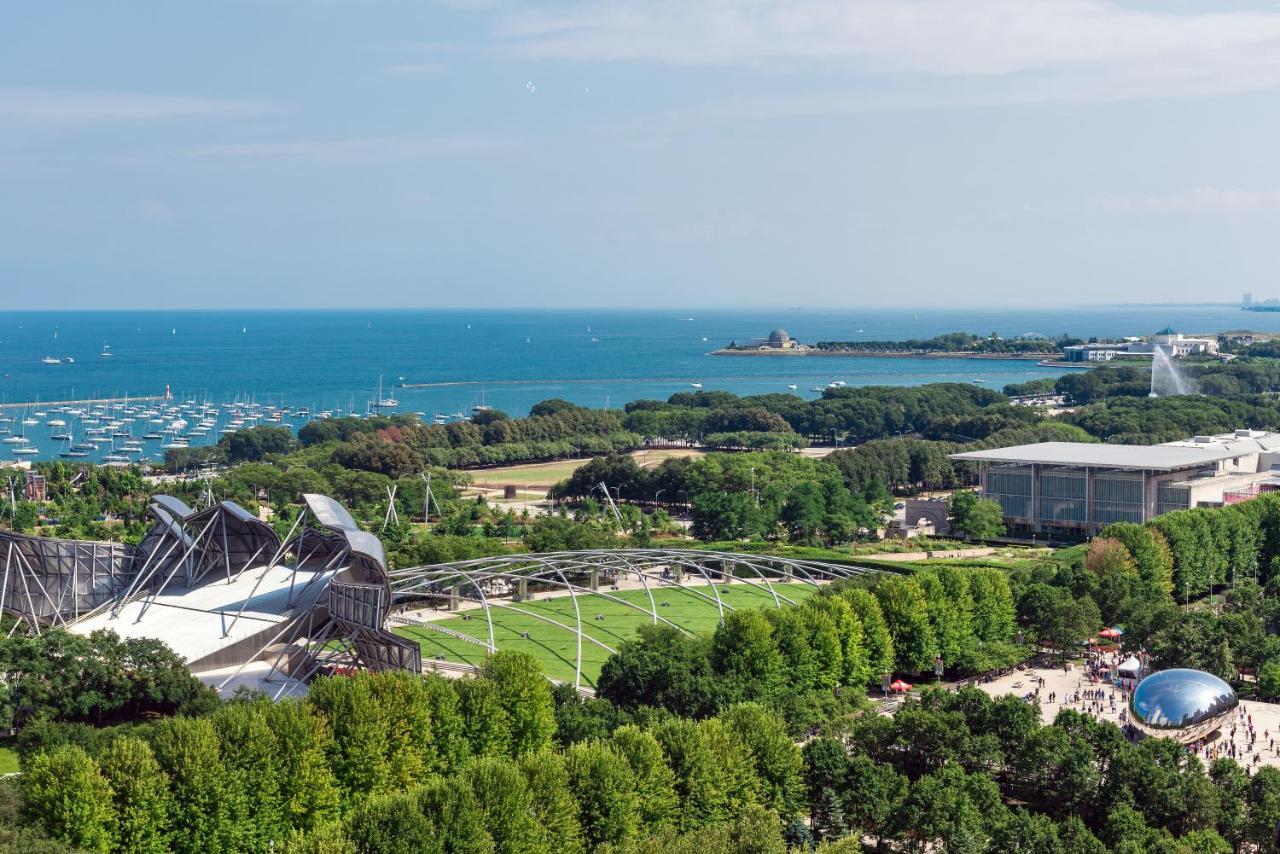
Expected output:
{"points": [[1166, 379]]}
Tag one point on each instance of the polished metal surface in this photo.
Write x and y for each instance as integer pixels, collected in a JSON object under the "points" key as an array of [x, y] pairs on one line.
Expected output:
{"points": [[1181, 704]]}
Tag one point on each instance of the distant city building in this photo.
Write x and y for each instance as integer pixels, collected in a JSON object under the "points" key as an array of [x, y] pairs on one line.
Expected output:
{"points": [[1247, 300], [1078, 488], [1168, 339], [36, 488]]}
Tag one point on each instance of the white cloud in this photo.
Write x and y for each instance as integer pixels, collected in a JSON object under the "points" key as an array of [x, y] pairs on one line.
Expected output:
{"points": [[63, 105], [1202, 200], [361, 149], [1078, 47]]}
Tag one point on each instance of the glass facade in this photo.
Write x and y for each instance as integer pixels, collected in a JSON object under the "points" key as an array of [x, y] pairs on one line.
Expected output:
{"points": [[1117, 497], [1063, 494], [1012, 487], [1172, 498]]}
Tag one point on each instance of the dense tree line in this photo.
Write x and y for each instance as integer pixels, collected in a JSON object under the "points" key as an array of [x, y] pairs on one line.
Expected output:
{"points": [[957, 342], [768, 495], [61, 677], [1242, 376], [397, 762], [850, 414], [799, 660], [912, 464], [963, 772]]}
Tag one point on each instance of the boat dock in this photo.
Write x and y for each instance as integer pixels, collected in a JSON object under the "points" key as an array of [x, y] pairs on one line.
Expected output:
{"points": [[93, 401]]}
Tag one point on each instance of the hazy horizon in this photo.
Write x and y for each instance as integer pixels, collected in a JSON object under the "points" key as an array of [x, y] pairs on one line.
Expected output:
{"points": [[383, 154]]}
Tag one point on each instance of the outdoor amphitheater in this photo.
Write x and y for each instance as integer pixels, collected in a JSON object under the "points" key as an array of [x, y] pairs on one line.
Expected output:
{"points": [[246, 606]]}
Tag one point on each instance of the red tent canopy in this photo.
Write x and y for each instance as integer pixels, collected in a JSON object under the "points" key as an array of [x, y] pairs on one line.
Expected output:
{"points": [[899, 685], [1110, 633]]}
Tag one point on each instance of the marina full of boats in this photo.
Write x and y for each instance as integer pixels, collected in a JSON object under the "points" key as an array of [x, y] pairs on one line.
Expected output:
{"points": [[125, 433]]}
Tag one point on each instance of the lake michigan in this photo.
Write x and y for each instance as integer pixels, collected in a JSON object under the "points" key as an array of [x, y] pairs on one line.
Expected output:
{"points": [[510, 359]]}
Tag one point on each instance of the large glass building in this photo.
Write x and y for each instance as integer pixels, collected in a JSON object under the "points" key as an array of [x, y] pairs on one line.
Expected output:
{"points": [[1078, 487]]}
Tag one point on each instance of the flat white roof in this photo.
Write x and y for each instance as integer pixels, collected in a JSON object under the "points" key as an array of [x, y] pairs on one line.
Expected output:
{"points": [[1154, 457], [200, 621]]}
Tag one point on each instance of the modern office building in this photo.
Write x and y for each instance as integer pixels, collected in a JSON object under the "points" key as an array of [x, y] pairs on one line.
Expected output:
{"points": [[1076, 487]]}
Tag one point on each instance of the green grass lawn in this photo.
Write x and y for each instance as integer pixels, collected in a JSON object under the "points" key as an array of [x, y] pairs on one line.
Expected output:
{"points": [[556, 648], [8, 760]]}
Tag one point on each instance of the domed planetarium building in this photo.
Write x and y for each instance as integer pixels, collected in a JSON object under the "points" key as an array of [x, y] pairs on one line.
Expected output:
{"points": [[1185, 705]]}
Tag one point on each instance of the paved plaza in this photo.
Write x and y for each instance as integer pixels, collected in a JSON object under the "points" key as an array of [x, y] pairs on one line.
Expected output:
{"points": [[1251, 736]]}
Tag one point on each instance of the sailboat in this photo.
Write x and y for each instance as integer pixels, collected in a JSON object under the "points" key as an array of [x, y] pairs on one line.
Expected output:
{"points": [[106, 350], [69, 451], [381, 403]]}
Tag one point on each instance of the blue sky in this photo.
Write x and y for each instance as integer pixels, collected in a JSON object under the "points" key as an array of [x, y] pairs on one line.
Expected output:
{"points": [[760, 152]]}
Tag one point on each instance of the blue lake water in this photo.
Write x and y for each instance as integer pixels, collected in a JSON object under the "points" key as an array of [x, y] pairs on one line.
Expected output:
{"points": [[510, 359]]}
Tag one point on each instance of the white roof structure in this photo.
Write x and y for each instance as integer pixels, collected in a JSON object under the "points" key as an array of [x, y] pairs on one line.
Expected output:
{"points": [[1149, 457], [198, 622]]}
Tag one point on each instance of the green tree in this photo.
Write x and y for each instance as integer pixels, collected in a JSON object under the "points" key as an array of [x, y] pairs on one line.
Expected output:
{"points": [[1149, 551], [140, 792], [251, 756], [604, 787], [743, 651], [310, 789], [392, 823], [524, 694], [486, 724], [553, 802], [67, 795], [503, 794], [906, 615], [984, 520], [1269, 679], [358, 725], [875, 631], [804, 514], [699, 786], [994, 613], [456, 815], [853, 658], [190, 752], [656, 803], [778, 768]]}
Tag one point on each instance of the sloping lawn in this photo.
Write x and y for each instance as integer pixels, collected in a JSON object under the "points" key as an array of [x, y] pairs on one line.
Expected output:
{"points": [[609, 621]]}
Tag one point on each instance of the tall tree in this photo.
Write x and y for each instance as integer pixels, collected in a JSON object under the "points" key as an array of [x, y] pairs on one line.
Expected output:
{"points": [[310, 790], [140, 791], [777, 764], [553, 803], [503, 794], [67, 795], [743, 651], [525, 695], [654, 783], [881, 654], [906, 614], [604, 788], [190, 752]]}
